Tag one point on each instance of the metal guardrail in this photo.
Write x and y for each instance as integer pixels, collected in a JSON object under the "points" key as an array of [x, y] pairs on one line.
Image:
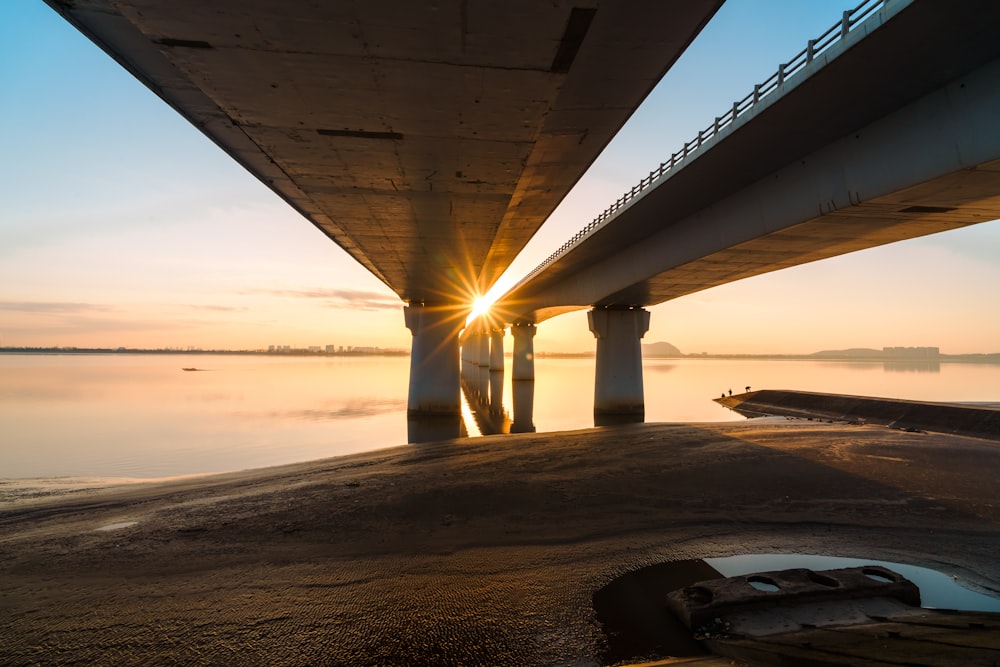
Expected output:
{"points": [[814, 47]]}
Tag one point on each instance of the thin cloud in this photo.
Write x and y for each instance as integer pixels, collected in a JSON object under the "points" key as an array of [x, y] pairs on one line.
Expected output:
{"points": [[344, 298], [219, 309], [56, 308], [351, 410]]}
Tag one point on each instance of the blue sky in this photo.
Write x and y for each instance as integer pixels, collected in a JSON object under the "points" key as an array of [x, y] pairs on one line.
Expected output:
{"points": [[122, 225]]}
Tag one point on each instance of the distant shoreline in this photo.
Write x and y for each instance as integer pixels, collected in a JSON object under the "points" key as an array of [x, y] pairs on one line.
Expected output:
{"points": [[978, 358], [993, 358], [258, 353], [982, 358]]}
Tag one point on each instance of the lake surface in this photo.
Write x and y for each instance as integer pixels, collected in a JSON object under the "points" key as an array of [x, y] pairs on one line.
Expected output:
{"points": [[141, 416]]}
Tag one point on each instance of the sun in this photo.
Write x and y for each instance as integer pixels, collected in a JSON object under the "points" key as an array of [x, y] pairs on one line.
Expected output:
{"points": [[480, 306]]}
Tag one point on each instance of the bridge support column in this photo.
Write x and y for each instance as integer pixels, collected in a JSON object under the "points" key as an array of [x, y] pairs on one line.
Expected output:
{"points": [[618, 392], [483, 351], [496, 370], [523, 363], [496, 349], [466, 357], [523, 393], [435, 387], [483, 364]]}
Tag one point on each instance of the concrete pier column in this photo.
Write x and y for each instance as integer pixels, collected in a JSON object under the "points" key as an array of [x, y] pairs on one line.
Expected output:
{"points": [[523, 394], [435, 387], [523, 363], [496, 349], [469, 349], [483, 354], [466, 345], [482, 367], [496, 392], [618, 384]]}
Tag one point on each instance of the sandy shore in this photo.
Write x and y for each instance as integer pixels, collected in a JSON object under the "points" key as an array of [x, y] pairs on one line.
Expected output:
{"points": [[471, 552]]}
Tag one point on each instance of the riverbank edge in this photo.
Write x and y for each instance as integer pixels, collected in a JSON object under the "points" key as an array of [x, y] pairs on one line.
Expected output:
{"points": [[978, 421]]}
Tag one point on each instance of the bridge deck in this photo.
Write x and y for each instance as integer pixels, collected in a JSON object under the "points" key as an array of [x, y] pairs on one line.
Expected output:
{"points": [[864, 146]]}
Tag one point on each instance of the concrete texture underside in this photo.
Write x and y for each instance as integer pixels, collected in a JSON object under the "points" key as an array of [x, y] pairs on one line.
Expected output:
{"points": [[428, 140], [484, 551]]}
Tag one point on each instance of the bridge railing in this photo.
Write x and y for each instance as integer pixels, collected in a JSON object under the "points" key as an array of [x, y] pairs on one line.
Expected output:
{"points": [[814, 47]]}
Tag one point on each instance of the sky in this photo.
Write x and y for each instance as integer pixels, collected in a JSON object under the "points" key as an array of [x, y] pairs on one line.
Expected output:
{"points": [[122, 225]]}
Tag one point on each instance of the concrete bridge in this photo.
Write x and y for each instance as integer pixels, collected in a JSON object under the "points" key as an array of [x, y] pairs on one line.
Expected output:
{"points": [[881, 129], [428, 140]]}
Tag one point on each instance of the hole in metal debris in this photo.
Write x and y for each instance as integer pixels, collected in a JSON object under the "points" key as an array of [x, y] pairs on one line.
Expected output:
{"points": [[880, 577], [823, 580], [764, 584], [699, 595]]}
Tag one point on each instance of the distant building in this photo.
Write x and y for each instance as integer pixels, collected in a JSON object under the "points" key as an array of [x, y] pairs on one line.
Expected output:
{"points": [[330, 349]]}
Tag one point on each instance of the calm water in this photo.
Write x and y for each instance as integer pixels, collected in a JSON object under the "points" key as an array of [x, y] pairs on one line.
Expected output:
{"points": [[124, 415]]}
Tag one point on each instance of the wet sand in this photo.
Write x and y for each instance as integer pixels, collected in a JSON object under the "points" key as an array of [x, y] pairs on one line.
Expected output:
{"points": [[471, 552]]}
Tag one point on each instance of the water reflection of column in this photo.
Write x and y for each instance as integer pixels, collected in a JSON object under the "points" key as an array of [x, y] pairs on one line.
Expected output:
{"points": [[524, 406], [523, 362], [432, 428], [496, 370], [483, 367], [496, 392]]}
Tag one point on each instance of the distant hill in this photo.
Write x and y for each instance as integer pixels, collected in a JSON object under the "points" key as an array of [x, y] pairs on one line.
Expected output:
{"points": [[851, 353], [661, 349]]}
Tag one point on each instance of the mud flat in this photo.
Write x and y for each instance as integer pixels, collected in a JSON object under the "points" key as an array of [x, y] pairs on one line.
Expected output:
{"points": [[484, 551]]}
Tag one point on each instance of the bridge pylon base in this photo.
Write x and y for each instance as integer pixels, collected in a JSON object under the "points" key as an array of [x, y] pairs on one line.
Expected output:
{"points": [[523, 361], [435, 384], [618, 392]]}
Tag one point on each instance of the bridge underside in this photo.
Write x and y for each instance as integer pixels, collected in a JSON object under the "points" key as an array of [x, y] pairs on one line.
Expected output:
{"points": [[428, 140]]}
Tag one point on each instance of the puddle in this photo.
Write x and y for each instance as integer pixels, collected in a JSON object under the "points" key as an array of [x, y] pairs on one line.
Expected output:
{"points": [[118, 526], [638, 625]]}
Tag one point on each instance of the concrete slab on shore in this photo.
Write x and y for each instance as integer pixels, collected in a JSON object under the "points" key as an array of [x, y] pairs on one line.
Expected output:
{"points": [[476, 551], [976, 420]]}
